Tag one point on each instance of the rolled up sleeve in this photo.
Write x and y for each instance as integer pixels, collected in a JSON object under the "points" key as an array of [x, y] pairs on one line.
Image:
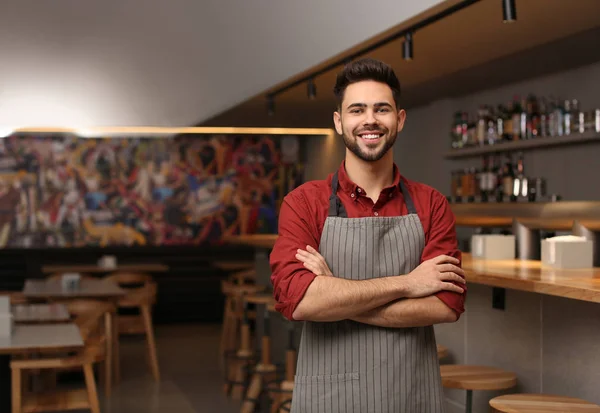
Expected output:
{"points": [[442, 241], [289, 277]]}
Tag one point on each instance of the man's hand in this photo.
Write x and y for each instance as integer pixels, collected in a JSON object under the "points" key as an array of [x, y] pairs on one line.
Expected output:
{"points": [[313, 261], [433, 276]]}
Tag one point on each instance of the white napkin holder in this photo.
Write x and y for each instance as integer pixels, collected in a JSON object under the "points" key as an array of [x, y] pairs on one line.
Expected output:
{"points": [[4, 304], [6, 324], [493, 246], [108, 262], [71, 281], [568, 251]]}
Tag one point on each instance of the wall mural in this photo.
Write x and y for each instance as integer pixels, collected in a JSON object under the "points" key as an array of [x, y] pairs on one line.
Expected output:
{"points": [[66, 191]]}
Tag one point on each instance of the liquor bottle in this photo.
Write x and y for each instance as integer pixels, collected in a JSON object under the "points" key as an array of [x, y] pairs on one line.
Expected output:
{"points": [[481, 125], [578, 117], [499, 172], [543, 129], [491, 134], [516, 119], [559, 116], [456, 133], [524, 120], [500, 122], [473, 184], [567, 118], [520, 186], [508, 178], [533, 119]]}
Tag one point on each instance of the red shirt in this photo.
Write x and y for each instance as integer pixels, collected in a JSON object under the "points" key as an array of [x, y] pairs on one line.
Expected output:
{"points": [[302, 217]]}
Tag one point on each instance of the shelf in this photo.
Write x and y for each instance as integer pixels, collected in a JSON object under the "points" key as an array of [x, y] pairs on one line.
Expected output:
{"points": [[524, 145]]}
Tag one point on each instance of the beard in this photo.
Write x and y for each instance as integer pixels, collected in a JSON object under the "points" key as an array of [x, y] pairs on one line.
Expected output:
{"points": [[351, 143]]}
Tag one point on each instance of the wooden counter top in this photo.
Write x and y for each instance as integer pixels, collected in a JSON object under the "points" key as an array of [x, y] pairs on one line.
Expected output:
{"points": [[578, 284], [254, 240]]}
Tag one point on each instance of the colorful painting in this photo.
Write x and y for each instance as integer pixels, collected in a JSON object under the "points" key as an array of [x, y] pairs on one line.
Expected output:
{"points": [[67, 191]]}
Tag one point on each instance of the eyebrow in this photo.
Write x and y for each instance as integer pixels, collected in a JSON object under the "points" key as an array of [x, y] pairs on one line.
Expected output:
{"points": [[364, 105]]}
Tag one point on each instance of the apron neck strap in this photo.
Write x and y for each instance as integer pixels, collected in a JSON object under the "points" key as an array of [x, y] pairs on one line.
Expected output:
{"points": [[336, 209]]}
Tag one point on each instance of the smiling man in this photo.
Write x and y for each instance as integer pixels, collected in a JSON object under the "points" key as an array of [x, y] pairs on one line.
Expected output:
{"points": [[369, 261]]}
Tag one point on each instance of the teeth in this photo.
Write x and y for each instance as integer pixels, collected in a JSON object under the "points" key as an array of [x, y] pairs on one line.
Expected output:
{"points": [[371, 136]]}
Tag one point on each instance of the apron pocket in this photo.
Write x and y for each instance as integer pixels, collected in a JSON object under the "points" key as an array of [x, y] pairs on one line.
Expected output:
{"points": [[327, 393]]}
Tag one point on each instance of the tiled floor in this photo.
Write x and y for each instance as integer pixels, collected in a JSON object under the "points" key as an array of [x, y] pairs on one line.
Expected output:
{"points": [[191, 381]]}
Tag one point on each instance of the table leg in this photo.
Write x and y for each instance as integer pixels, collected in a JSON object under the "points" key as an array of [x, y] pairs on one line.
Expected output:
{"points": [[5, 384]]}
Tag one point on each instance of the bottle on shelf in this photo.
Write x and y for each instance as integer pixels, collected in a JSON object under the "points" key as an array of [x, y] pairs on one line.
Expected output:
{"points": [[516, 119], [524, 121], [543, 126], [520, 185], [567, 117], [508, 177], [499, 172]]}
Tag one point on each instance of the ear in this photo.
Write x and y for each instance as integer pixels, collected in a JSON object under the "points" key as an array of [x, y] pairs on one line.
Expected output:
{"points": [[401, 119], [337, 121]]}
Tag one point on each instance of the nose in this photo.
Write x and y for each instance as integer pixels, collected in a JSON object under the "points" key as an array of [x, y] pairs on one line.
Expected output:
{"points": [[370, 117]]}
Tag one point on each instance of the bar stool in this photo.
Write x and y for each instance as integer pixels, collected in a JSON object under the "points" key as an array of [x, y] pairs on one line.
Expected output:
{"points": [[231, 316], [264, 372], [469, 378], [533, 403], [238, 361], [442, 352], [281, 394]]}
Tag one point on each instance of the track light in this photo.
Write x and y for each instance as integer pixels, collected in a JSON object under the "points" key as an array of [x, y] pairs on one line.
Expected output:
{"points": [[509, 11], [311, 89], [407, 47], [270, 105]]}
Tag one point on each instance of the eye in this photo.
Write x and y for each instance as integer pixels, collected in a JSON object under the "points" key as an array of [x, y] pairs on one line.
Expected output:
{"points": [[383, 110]]}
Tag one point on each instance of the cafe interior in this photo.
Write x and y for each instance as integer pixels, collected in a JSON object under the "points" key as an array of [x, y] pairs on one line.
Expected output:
{"points": [[146, 148]]}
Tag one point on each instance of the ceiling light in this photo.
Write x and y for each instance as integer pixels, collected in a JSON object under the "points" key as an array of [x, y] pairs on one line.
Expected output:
{"points": [[509, 11], [407, 47], [311, 89]]}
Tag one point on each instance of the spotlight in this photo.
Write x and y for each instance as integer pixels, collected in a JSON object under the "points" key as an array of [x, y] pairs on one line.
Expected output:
{"points": [[407, 47], [311, 89], [509, 11], [270, 105]]}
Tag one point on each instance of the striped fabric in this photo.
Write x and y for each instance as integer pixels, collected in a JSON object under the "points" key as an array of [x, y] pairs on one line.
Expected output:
{"points": [[352, 367]]}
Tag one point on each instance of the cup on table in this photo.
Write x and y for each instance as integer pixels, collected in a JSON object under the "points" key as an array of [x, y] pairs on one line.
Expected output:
{"points": [[71, 281]]}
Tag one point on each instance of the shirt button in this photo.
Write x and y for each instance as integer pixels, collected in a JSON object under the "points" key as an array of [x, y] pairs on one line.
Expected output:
{"points": [[352, 195], [376, 213], [359, 191], [391, 195]]}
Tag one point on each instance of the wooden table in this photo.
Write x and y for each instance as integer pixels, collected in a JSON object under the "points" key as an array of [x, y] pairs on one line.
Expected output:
{"points": [[531, 276], [93, 268], [89, 288], [40, 313], [35, 338]]}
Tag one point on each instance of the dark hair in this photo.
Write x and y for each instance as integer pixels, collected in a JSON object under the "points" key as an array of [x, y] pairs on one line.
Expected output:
{"points": [[366, 69]]}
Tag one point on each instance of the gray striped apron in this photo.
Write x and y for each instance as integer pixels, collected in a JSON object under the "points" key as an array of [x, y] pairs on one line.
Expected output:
{"points": [[347, 366]]}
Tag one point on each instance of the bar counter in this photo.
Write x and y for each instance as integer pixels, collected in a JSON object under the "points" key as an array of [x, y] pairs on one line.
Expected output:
{"points": [[523, 275], [531, 276]]}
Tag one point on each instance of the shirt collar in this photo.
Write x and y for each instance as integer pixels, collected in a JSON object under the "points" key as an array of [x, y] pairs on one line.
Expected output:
{"points": [[350, 187]]}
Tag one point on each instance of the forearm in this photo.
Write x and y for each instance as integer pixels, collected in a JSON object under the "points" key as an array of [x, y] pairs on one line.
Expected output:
{"points": [[408, 312], [335, 299]]}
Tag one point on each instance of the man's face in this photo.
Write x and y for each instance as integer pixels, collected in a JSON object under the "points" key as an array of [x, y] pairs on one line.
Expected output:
{"points": [[368, 120]]}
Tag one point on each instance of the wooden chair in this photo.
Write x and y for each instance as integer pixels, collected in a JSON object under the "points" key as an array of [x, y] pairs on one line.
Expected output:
{"points": [[143, 298], [532, 403], [469, 378], [88, 318], [88, 314]]}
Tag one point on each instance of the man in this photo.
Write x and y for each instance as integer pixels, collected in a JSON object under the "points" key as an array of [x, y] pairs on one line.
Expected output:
{"points": [[369, 261]]}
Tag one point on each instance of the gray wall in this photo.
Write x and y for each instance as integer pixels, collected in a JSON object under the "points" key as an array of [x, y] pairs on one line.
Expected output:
{"points": [[549, 342]]}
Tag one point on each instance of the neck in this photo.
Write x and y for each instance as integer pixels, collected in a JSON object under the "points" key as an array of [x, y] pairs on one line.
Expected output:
{"points": [[371, 176]]}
